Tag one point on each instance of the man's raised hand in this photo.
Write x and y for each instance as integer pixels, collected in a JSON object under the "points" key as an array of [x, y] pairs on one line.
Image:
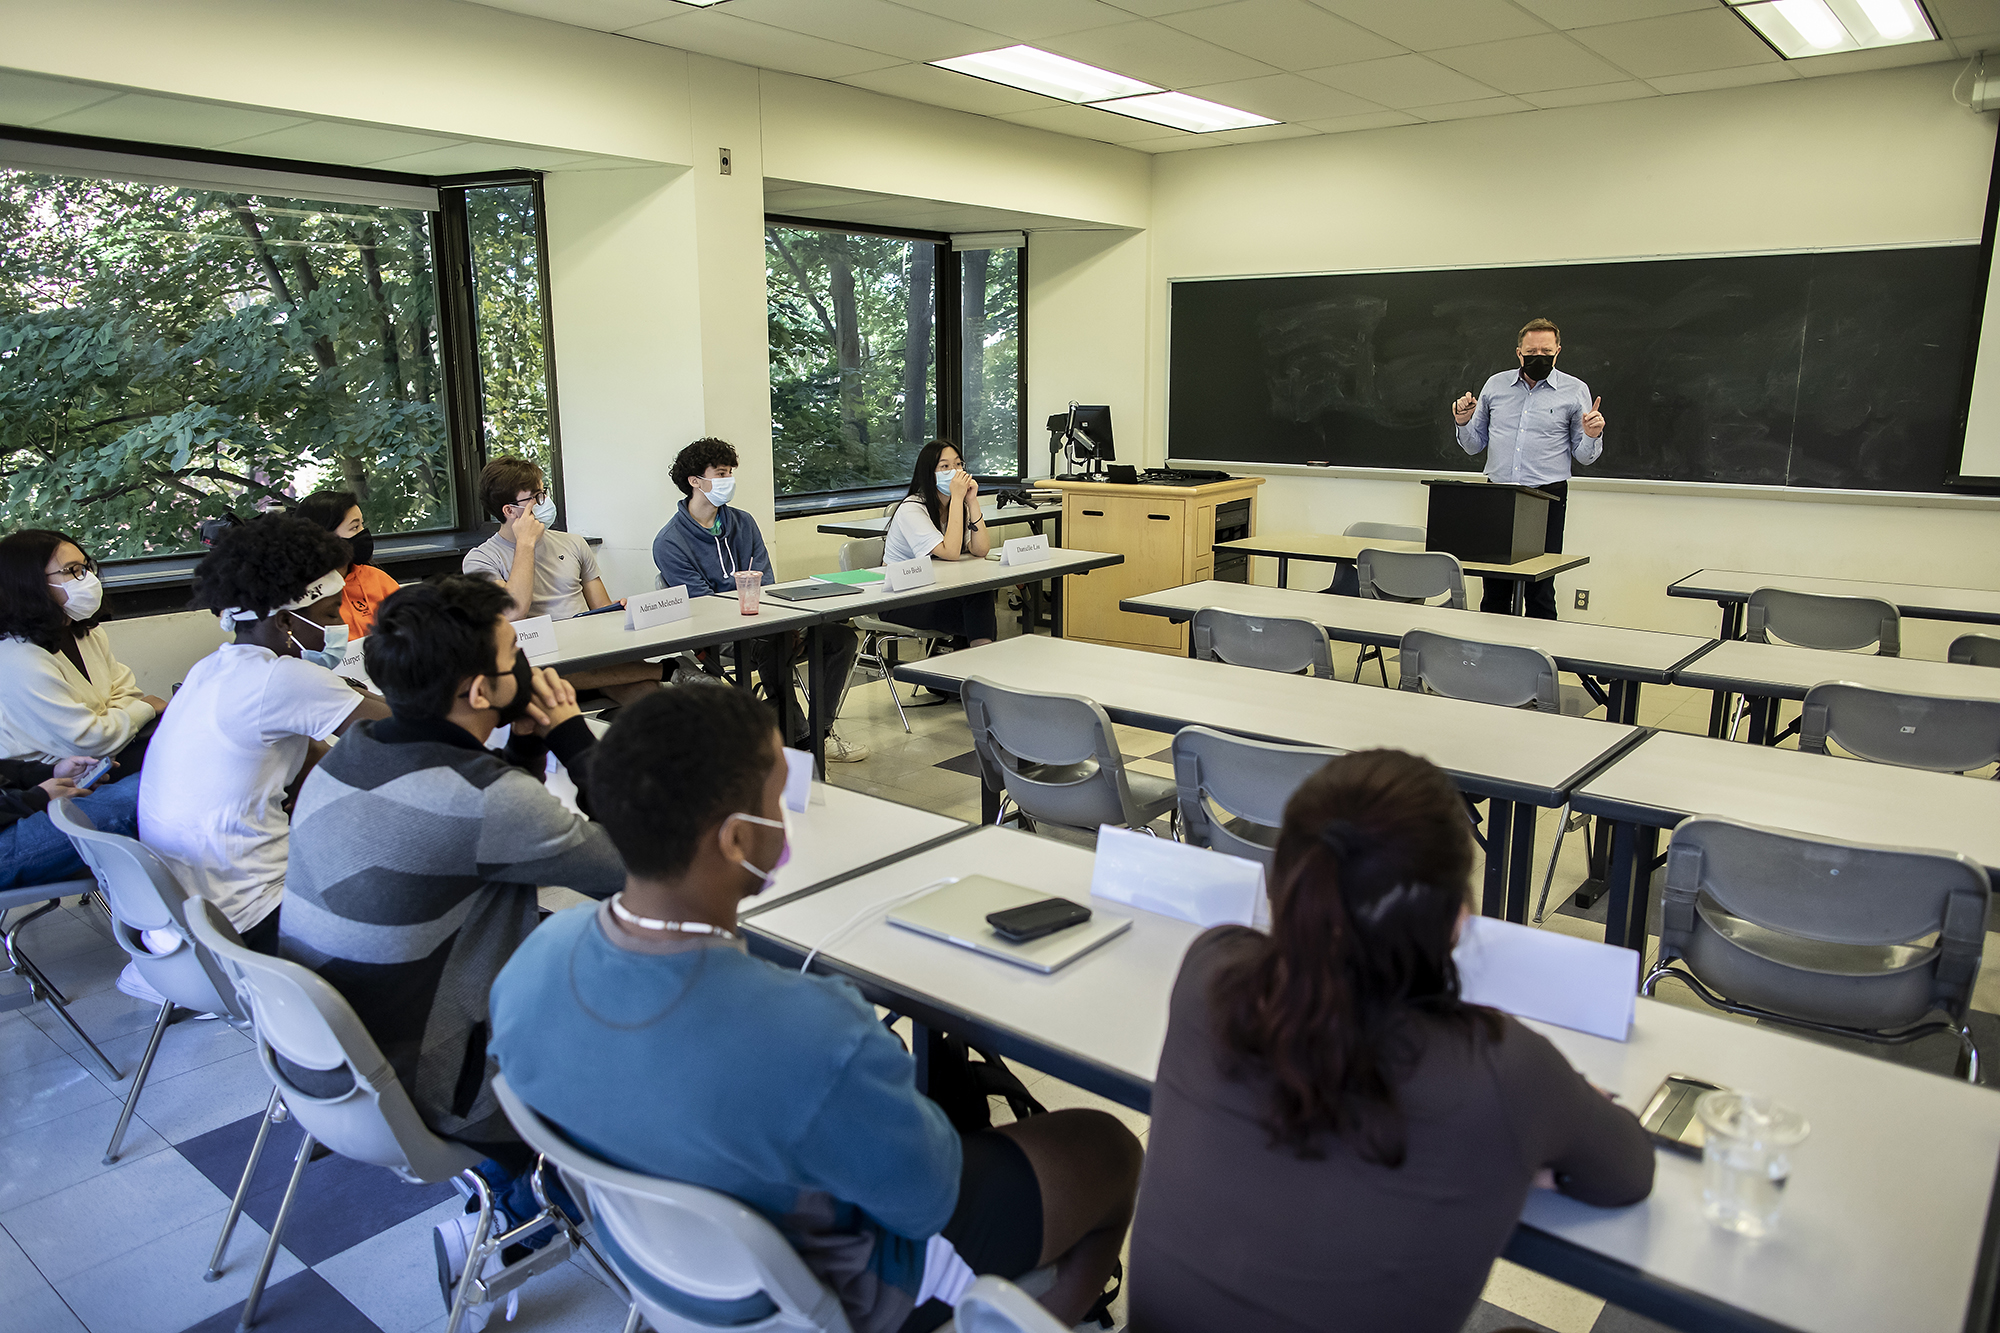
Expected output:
{"points": [[1462, 410], [1593, 420]]}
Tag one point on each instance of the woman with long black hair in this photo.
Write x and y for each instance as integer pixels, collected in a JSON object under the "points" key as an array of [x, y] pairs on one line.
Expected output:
{"points": [[1338, 1140], [939, 518], [365, 586]]}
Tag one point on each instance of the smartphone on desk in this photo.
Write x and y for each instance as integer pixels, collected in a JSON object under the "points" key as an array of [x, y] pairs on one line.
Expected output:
{"points": [[1669, 1115], [1031, 921]]}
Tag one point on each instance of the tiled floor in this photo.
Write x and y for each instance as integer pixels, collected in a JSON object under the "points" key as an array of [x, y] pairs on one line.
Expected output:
{"points": [[121, 1248]]}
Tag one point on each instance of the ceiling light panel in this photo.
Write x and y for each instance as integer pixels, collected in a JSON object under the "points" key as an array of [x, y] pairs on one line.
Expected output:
{"points": [[1180, 111], [1801, 28], [1044, 72], [699, 4]]}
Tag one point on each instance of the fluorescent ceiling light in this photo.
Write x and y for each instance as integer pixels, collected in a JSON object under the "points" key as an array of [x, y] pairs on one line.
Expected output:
{"points": [[1798, 28], [1183, 112], [1051, 75], [700, 4]]}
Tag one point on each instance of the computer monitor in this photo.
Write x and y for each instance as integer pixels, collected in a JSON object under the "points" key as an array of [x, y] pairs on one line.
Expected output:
{"points": [[1090, 433]]}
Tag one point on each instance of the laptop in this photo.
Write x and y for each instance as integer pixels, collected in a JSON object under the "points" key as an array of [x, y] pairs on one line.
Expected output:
{"points": [[956, 913]]}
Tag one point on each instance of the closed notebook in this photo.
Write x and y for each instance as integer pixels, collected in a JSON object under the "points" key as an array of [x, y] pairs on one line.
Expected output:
{"points": [[956, 912]]}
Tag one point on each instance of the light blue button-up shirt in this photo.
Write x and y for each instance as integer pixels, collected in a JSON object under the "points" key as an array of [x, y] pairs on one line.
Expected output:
{"points": [[1530, 431]]}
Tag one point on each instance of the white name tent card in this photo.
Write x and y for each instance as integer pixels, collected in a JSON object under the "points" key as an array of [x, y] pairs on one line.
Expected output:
{"points": [[536, 636], [1585, 985], [354, 666], [910, 574], [1024, 550], [798, 780], [657, 608], [1173, 879]]}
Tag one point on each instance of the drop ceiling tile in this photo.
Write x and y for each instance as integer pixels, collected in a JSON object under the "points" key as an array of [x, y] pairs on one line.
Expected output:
{"points": [[1622, 91], [1223, 138], [603, 15], [1961, 18], [1157, 54], [943, 87], [1591, 13], [730, 38], [1286, 97], [1155, 8], [1086, 123], [1478, 106], [1529, 64], [27, 100], [338, 142], [1426, 25], [873, 25], [1373, 120], [1886, 57], [169, 120], [1678, 43], [1288, 34], [1401, 81], [1026, 20], [1741, 76]]}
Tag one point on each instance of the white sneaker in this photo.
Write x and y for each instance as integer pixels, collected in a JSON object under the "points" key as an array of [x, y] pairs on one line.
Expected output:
{"points": [[452, 1241], [839, 751], [136, 986]]}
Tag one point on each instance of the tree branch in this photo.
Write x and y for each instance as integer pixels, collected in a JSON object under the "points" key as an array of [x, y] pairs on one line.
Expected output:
{"points": [[805, 287]]}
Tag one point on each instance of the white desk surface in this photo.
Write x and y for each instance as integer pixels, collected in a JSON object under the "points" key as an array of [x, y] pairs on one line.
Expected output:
{"points": [[1923, 601], [1331, 546], [1599, 649], [1670, 776], [841, 831], [993, 515], [1785, 672], [584, 641], [955, 578], [1509, 752], [1108, 1008]]}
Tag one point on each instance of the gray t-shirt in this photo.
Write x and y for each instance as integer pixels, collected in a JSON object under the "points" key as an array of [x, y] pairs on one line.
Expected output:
{"points": [[563, 564]]}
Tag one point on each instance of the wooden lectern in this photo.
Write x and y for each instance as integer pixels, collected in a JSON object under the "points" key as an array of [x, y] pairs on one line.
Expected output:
{"points": [[1487, 521]]}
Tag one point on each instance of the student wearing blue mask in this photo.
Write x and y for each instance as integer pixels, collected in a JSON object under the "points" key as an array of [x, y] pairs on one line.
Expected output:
{"points": [[940, 518], [706, 542]]}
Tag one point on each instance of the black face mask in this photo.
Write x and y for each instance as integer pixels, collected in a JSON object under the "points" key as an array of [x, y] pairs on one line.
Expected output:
{"points": [[524, 690], [363, 544], [1537, 365]]}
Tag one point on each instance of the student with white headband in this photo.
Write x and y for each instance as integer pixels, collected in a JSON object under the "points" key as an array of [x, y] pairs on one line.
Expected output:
{"points": [[249, 718]]}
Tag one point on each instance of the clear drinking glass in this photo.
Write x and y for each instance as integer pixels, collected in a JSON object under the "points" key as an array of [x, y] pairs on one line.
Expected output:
{"points": [[749, 589], [1746, 1159]]}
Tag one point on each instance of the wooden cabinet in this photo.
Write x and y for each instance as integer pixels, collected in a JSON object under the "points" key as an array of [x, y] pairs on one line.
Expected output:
{"points": [[1167, 536]]}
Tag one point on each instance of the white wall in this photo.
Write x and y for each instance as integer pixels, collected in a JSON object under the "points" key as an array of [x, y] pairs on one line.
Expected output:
{"points": [[1844, 161]]}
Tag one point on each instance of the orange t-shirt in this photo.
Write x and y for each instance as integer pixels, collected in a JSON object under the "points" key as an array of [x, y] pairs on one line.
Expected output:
{"points": [[367, 588]]}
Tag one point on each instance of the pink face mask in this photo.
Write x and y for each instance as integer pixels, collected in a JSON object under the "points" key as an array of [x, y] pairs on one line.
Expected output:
{"points": [[786, 855]]}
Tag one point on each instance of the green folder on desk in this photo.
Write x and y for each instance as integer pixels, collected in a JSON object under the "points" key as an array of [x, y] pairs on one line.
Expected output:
{"points": [[851, 576]]}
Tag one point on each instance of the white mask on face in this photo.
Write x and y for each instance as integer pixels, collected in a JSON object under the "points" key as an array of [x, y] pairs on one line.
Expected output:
{"points": [[82, 597], [545, 513], [720, 489], [944, 479], [786, 825]]}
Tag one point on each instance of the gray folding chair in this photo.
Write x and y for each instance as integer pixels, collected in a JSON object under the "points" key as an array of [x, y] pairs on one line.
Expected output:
{"points": [[1975, 650], [879, 637], [1406, 576], [1268, 643], [1233, 791], [307, 1033], [995, 1305], [1908, 730], [1846, 939], [1056, 757], [1347, 583], [142, 894], [43, 899]]}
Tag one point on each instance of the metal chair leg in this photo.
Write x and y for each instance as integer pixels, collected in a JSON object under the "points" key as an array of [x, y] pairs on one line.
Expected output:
{"points": [[274, 1111], [475, 1254], [632, 1319], [1971, 1050], [41, 988], [249, 1315], [1549, 877], [138, 1082]]}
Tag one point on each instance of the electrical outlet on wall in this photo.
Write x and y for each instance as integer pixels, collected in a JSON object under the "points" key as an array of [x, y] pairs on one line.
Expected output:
{"points": [[1583, 599], [725, 161]]}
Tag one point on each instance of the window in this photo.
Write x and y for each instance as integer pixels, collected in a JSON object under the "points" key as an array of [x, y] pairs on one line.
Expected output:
{"points": [[503, 223], [170, 353], [990, 289]]}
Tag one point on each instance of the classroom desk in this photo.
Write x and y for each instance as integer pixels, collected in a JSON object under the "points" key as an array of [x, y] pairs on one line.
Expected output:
{"points": [[1331, 548], [1670, 776], [993, 515], [1766, 672], [842, 833], [1623, 658], [1521, 760], [589, 641], [1895, 1182]]}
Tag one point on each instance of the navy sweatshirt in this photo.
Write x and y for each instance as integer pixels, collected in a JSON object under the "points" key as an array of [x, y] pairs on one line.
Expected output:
{"points": [[687, 553]]}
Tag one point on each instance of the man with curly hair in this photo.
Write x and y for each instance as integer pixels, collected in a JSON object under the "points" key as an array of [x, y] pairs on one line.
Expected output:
{"points": [[248, 718]]}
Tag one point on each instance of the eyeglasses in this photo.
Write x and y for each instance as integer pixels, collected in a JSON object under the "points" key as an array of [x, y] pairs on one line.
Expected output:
{"points": [[74, 573], [539, 497]]}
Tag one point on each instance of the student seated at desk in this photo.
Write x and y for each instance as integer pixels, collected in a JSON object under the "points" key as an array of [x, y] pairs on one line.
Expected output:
{"points": [[546, 572], [646, 1031], [1337, 1139], [366, 587], [940, 518]]}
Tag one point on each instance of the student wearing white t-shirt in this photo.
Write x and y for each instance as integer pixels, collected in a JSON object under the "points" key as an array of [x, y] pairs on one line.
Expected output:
{"points": [[940, 518], [249, 718]]}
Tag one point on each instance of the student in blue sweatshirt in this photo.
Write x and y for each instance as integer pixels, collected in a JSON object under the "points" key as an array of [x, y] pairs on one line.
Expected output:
{"points": [[647, 1033], [706, 542]]}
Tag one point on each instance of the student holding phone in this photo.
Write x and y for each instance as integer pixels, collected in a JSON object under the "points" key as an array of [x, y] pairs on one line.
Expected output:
{"points": [[32, 849]]}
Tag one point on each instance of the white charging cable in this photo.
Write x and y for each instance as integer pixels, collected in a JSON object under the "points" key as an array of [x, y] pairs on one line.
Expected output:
{"points": [[855, 920]]}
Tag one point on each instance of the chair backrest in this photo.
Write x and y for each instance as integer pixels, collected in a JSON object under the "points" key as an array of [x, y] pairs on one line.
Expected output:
{"points": [[1817, 889], [143, 895], [1056, 755], [995, 1305], [1410, 576], [1508, 674], [1811, 620], [1388, 532], [1975, 650], [355, 1107], [679, 1247], [863, 553], [1249, 780], [1910, 730], [1269, 643]]}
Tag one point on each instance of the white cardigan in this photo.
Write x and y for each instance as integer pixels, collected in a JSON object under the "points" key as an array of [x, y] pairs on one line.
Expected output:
{"points": [[49, 710]]}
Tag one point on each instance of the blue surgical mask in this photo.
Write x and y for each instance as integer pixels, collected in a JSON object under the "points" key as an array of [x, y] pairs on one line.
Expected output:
{"points": [[335, 650], [944, 479], [720, 489], [545, 513]]}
